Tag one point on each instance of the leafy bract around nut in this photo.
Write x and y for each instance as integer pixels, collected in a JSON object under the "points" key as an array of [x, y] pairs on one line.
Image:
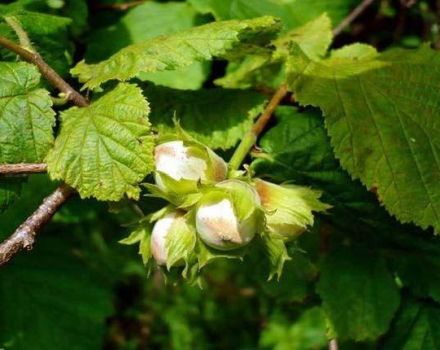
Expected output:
{"points": [[228, 216], [173, 240], [179, 50], [106, 149], [181, 165], [288, 207]]}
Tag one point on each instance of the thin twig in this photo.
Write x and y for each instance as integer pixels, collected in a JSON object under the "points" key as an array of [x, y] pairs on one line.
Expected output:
{"points": [[24, 236], [119, 7], [251, 136], [333, 344], [352, 16], [22, 168], [46, 71]]}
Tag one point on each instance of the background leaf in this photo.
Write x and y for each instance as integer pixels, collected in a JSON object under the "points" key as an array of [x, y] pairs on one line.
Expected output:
{"points": [[308, 332], [359, 293], [293, 13], [145, 22], [381, 116], [52, 289], [218, 118], [416, 327]]}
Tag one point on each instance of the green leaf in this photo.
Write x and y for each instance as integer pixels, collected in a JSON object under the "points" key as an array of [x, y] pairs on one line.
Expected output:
{"points": [[180, 242], [381, 116], [420, 271], [298, 150], [51, 300], [49, 35], [358, 292], [313, 38], [26, 116], [216, 117], [145, 22], [417, 326], [293, 13], [276, 251], [305, 333], [106, 149], [179, 50]]}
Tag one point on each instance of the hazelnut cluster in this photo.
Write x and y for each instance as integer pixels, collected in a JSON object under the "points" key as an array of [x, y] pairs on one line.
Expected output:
{"points": [[223, 212]]}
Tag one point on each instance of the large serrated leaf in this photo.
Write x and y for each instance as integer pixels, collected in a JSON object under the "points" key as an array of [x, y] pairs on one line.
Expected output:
{"points": [[106, 149], [179, 50], [26, 121], [359, 293], [381, 113], [219, 118]]}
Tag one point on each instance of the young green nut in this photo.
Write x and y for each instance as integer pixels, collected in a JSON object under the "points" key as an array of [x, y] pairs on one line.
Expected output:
{"points": [[181, 165], [229, 215], [288, 207], [161, 229]]}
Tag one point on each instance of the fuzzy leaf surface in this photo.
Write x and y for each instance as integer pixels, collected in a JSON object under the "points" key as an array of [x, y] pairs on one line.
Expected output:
{"points": [[106, 149], [179, 50], [381, 114], [26, 115]]}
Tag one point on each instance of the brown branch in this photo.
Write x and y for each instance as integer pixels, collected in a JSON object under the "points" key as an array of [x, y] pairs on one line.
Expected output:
{"points": [[251, 136], [262, 121], [352, 16], [22, 168], [46, 71], [24, 236]]}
